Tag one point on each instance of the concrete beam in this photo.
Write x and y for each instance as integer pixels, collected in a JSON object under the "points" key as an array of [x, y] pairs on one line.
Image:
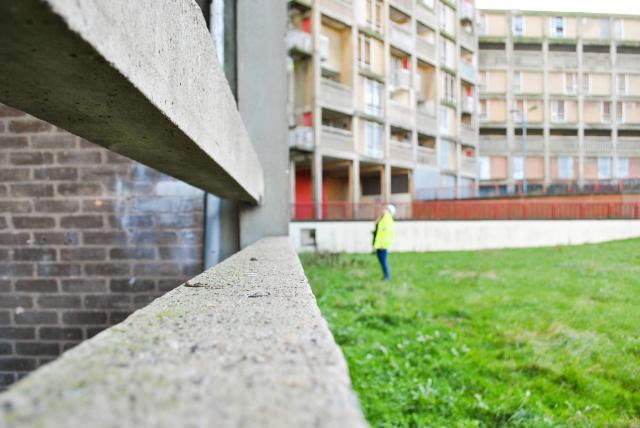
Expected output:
{"points": [[243, 346], [140, 78]]}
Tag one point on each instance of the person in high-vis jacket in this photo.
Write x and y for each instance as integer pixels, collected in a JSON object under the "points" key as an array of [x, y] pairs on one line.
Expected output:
{"points": [[383, 238]]}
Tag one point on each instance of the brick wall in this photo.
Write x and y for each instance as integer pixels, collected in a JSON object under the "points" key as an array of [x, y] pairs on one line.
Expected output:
{"points": [[86, 237]]}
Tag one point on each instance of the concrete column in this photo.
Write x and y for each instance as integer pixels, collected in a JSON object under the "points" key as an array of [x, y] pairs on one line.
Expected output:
{"points": [[547, 114], [614, 111], [316, 182], [386, 182], [355, 181], [581, 145], [262, 102], [510, 103]]}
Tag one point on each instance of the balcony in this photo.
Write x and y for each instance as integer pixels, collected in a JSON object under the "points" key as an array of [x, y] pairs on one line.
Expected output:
{"points": [[405, 5], [492, 59], [301, 138], [299, 42], [467, 72], [400, 80], [468, 104], [339, 9], [426, 50], [627, 61], [401, 37], [336, 139], [426, 156], [336, 96], [400, 152], [426, 118], [563, 60], [628, 146], [401, 115], [468, 166], [535, 144], [468, 136], [568, 145], [467, 12], [493, 145], [425, 15], [596, 61], [527, 59], [598, 146], [469, 41]]}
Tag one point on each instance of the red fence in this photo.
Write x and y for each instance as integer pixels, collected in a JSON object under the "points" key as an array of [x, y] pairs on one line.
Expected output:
{"points": [[497, 209]]}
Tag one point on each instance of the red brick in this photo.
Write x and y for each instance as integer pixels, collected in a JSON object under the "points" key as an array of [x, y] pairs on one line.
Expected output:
{"points": [[13, 143], [30, 158], [34, 255], [53, 141], [32, 190], [83, 254], [81, 222], [6, 111], [79, 157], [28, 125], [79, 189], [15, 207], [33, 222], [15, 174], [37, 286], [58, 173], [56, 206], [56, 238]]}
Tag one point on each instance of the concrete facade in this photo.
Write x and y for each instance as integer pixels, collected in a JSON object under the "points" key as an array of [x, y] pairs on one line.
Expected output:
{"points": [[382, 101], [420, 236], [86, 237], [575, 77], [142, 92], [241, 345]]}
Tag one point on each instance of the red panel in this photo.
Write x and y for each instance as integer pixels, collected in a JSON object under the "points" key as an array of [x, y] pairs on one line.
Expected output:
{"points": [[306, 25], [304, 195]]}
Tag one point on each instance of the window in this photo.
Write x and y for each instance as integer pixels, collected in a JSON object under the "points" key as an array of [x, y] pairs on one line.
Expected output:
{"points": [[606, 111], [518, 25], [619, 112], [374, 14], [445, 19], [557, 26], [482, 25], [604, 168], [586, 83], [622, 170], [449, 87], [482, 80], [604, 28], [517, 81], [427, 3], [444, 120], [366, 54], [621, 84], [400, 183], [618, 29], [444, 154], [484, 167], [373, 133], [371, 185], [443, 50], [483, 114], [570, 83], [520, 107], [557, 111], [565, 168], [400, 75], [372, 97], [518, 168]]}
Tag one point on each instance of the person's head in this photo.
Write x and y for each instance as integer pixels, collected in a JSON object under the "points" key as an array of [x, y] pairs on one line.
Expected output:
{"points": [[391, 210]]}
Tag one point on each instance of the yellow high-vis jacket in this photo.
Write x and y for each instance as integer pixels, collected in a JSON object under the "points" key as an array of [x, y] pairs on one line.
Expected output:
{"points": [[384, 232]]}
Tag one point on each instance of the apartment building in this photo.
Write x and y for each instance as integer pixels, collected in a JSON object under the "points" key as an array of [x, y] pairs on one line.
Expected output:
{"points": [[559, 99], [382, 102]]}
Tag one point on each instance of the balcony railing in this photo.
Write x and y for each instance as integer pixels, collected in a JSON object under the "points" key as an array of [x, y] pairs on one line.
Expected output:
{"points": [[596, 61], [336, 96], [342, 9], [563, 60], [468, 40], [406, 5], [527, 59], [426, 118], [425, 15], [300, 41], [627, 61], [401, 115], [468, 104], [534, 144], [400, 151], [401, 37], [628, 146], [467, 12], [425, 49], [336, 139], [489, 59], [597, 146], [468, 166], [493, 145], [563, 145], [468, 136], [468, 72], [301, 138], [426, 156]]}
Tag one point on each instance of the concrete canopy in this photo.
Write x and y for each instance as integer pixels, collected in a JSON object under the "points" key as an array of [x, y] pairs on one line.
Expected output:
{"points": [[140, 78]]}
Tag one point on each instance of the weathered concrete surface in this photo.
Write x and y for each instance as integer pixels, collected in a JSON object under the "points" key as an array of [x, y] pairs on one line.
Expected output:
{"points": [[418, 236], [262, 98], [140, 78], [245, 346]]}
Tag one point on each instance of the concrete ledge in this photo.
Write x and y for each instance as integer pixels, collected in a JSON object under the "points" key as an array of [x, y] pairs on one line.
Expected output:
{"points": [[419, 236], [140, 78], [243, 346]]}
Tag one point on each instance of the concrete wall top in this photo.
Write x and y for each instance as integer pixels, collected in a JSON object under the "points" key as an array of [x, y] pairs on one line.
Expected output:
{"points": [[140, 78], [243, 345]]}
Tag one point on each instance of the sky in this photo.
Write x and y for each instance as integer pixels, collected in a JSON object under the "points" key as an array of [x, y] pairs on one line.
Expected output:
{"points": [[596, 6]]}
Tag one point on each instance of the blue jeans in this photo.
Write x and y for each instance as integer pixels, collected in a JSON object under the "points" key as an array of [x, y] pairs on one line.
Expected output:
{"points": [[382, 257]]}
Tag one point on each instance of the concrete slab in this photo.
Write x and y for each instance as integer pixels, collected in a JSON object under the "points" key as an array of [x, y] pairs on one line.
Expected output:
{"points": [[243, 346], [140, 78]]}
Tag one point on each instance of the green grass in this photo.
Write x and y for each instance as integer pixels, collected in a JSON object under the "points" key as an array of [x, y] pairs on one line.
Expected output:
{"points": [[531, 338]]}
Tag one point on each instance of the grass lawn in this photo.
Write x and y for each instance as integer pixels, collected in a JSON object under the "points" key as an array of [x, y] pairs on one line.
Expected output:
{"points": [[532, 337]]}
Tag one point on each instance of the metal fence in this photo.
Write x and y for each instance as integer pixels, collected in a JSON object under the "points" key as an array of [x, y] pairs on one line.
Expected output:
{"points": [[495, 209]]}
